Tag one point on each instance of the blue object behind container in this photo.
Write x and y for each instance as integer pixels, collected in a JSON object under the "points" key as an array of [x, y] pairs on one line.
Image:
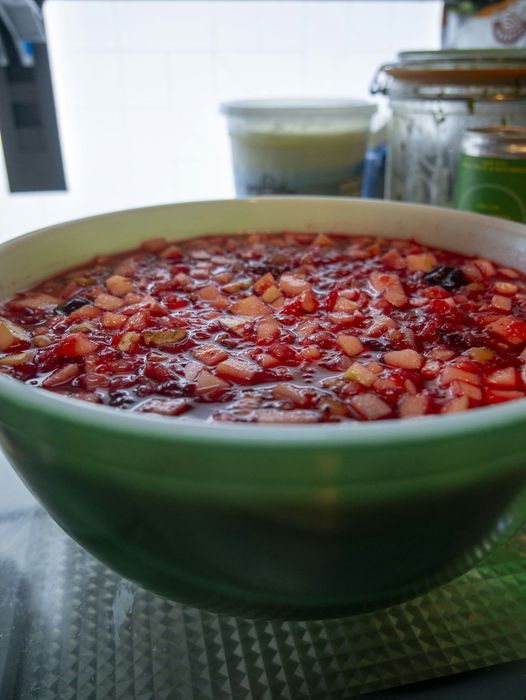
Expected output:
{"points": [[373, 185]]}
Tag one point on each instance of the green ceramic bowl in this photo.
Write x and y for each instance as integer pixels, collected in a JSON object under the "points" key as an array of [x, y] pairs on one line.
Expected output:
{"points": [[271, 521]]}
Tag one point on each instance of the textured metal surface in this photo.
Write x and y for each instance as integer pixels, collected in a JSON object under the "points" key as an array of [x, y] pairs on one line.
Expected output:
{"points": [[80, 632]]}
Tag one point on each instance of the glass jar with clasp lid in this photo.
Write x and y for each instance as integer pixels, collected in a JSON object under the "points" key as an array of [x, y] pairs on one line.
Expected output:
{"points": [[434, 97]]}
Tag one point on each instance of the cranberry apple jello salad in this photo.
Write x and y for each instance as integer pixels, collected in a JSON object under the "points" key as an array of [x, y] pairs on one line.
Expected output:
{"points": [[275, 328]]}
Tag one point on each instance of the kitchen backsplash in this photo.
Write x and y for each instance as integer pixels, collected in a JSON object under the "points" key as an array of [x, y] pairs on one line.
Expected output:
{"points": [[138, 83]]}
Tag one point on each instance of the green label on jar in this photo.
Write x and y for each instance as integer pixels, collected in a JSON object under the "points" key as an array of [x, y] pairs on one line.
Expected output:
{"points": [[492, 186]]}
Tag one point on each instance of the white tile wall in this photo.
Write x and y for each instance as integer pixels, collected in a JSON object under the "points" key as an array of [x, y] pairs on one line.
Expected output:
{"points": [[138, 83]]}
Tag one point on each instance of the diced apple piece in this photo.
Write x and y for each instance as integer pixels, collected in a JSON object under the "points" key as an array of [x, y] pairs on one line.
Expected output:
{"points": [[192, 369], [332, 407], [451, 373], [85, 327], [268, 361], [347, 305], [220, 302], [500, 302], [289, 392], [41, 341], [87, 312], [410, 386], [423, 262], [342, 319], [208, 293], [173, 252], [307, 328], [126, 267], [442, 354], [390, 286], [210, 354], [19, 358], [165, 407], [360, 374], [292, 285], [273, 415], [481, 355], [107, 302], [460, 388], [95, 380], [182, 280], [311, 353], [485, 266], [268, 329], [380, 325], [238, 286], [128, 341], [505, 377], [508, 289], [370, 406], [460, 403], [308, 301], [411, 406], [263, 283], [62, 375], [235, 324], [118, 285], [250, 306], [381, 385], [112, 320], [271, 295], [163, 337], [393, 260], [137, 322], [406, 359], [75, 345], [223, 277], [154, 245], [396, 296], [356, 252], [350, 344], [471, 271], [431, 369], [12, 334], [512, 329], [239, 371], [36, 301], [500, 396], [381, 280], [200, 254], [208, 382], [323, 241]]}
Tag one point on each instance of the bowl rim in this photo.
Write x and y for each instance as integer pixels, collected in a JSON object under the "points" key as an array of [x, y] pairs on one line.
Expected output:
{"points": [[359, 434]]}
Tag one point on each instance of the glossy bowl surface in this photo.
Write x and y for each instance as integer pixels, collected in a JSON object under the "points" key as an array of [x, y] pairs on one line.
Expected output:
{"points": [[269, 521]]}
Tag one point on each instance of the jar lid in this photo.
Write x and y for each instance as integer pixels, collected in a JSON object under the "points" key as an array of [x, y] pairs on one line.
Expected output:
{"points": [[495, 141], [294, 108], [486, 74]]}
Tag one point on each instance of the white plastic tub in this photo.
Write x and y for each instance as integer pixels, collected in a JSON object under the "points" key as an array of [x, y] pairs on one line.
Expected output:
{"points": [[298, 146]]}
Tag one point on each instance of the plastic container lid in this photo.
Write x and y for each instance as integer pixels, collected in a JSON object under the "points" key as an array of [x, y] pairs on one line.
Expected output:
{"points": [[298, 108]]}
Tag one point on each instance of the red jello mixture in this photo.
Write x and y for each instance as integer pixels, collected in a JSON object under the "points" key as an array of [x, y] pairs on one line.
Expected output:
{"points": [[288, 328]]}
